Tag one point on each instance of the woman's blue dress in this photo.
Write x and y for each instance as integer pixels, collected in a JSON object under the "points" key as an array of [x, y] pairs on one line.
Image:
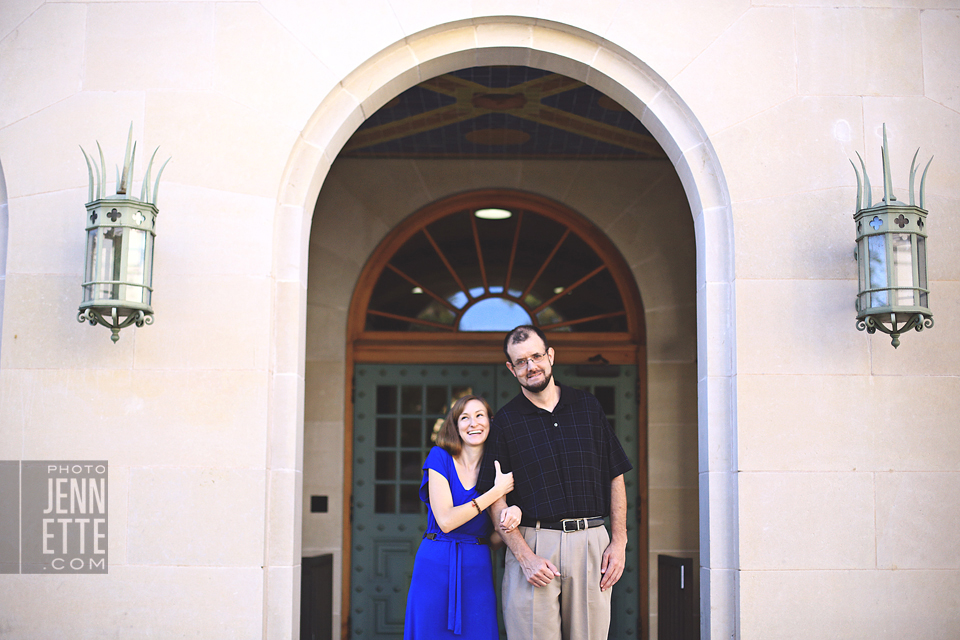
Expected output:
{"points": [[451, 592]]}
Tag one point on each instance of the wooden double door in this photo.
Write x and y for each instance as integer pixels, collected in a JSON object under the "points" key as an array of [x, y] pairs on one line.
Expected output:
{"points": [[397, 411]]}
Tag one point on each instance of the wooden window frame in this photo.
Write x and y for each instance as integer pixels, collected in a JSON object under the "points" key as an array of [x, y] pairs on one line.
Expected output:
{"points": [[485, 346]]}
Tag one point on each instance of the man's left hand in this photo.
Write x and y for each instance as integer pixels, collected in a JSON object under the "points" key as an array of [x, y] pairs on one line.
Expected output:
{"points": [[612, 563]]}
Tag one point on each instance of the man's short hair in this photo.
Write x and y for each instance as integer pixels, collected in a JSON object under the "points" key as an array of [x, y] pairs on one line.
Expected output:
{"points": [[521, 334]]}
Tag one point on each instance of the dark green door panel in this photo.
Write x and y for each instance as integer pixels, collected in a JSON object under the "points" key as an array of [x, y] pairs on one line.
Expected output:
{"points": [[616, 389], [397, 409]]}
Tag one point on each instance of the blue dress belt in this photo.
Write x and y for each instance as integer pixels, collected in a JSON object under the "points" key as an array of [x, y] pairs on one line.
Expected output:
{"points": [[454, 606]]}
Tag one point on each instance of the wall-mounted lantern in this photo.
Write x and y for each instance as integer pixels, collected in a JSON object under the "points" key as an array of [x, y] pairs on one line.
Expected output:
{"points": [[118, 275], [891, 255]]}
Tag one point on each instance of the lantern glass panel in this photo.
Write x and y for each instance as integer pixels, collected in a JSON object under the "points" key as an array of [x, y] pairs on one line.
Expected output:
{"points": [[901, 254], [148, 266], [877, 257], [922, 268], [107, 269], [862, 298], [88, 276], [136, 259]]}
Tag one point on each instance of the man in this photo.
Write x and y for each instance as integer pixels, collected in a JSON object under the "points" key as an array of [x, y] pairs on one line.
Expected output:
{"points": [[568, 471]]}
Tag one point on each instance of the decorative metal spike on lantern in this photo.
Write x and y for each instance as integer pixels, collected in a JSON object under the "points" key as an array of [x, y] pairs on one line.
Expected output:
{"points": [[891, 255], [118, 275]]}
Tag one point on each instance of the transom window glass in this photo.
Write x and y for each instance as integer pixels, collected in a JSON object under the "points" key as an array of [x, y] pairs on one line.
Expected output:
{"points": [[470, 272]]}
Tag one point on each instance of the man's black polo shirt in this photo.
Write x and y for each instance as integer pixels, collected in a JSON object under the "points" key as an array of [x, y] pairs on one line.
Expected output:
{"points": [[562, 462]]}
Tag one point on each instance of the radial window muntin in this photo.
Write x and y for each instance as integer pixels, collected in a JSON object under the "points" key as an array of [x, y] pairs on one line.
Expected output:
{"points": [[444, 263]]}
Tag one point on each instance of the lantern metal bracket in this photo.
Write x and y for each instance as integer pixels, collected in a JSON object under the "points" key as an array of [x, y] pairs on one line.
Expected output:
{"points": [[114, 322], [917, 321]]}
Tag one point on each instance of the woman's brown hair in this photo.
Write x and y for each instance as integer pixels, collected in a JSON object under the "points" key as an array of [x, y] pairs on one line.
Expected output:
{"points": [[449, 435]]}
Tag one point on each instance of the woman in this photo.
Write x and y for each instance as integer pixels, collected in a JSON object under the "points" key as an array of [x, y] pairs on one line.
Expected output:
{"points": [[451, 593]]}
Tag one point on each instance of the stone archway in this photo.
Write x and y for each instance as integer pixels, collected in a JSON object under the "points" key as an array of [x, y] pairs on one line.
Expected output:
{"points": [[627, 80]]}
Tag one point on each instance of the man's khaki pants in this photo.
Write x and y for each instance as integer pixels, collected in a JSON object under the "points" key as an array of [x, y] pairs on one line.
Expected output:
{"points": [[571, 607]]}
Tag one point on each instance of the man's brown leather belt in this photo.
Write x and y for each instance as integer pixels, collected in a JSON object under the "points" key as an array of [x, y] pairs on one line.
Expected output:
{"points": [[567, 525]]}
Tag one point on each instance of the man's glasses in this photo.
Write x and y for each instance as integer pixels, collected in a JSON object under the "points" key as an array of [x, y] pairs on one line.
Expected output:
{"points": [[523, 363]]}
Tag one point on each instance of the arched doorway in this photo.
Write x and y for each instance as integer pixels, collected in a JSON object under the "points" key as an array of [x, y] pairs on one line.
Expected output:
{"points": [[336, 260], [432, 270], [426, 325]]}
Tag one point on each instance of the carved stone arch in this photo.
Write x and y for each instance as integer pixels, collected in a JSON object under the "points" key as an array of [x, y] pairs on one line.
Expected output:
{"points": [[625, 79]]}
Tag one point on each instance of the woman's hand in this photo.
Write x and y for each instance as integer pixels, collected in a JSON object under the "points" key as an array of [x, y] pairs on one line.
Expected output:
{"points": [[510, 518], [504, 481]]}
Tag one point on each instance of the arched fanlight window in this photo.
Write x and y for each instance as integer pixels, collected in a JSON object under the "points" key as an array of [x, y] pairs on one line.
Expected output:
{"points": [[491, 260]]}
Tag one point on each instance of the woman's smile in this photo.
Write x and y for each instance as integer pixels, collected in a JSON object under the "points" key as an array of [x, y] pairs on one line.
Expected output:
{"points": [[474, 423]]}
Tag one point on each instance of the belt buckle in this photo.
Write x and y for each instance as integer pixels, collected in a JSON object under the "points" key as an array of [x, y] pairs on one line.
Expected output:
{"points": [[577, 522]]}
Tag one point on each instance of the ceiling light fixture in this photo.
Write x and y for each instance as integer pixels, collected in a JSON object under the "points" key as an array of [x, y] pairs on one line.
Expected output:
{"points": [[493, 214]]}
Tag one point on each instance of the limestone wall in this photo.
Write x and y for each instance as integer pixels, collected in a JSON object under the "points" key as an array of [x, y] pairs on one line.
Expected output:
{"points": [[829, 463]]}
